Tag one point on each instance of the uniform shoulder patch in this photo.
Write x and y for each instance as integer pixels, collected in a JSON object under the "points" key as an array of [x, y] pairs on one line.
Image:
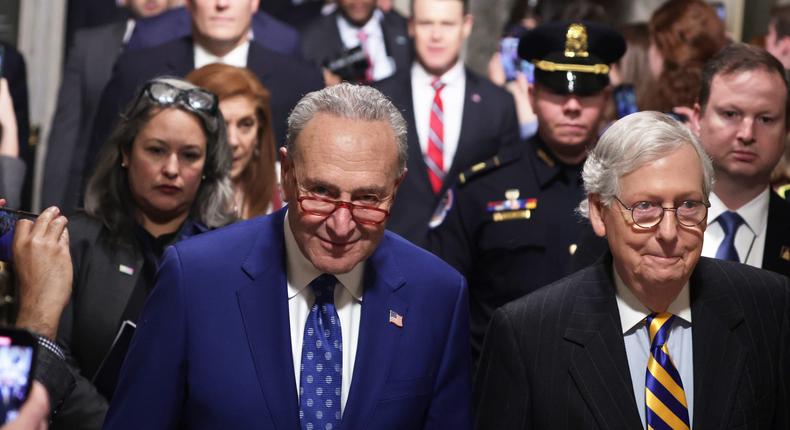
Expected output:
{"points": [[489, 165]]}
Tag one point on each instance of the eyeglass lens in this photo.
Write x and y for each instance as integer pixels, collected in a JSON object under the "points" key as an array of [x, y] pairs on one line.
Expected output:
{"points": [[688, 213], [360, 213]]}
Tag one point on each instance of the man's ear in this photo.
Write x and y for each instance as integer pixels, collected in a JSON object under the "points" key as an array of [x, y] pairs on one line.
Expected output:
{"points": [[596, 213], [695, 118]]}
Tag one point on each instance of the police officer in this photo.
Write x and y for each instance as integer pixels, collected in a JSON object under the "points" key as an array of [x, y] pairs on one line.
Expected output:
{"points": [[509, 225]]}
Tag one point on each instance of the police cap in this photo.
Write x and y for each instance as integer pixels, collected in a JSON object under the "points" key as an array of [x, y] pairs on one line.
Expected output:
{"points": [[572, 57]]}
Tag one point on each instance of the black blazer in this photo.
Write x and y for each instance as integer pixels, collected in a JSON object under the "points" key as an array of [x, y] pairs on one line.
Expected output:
{"points": [[556, 358], [776, 254], [488, 124], [321, 40], [287, 78]]}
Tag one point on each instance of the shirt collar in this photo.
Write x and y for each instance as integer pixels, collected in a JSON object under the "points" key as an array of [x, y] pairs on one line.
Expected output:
{"points": [[127, 34], [754, 213], [301, 272], [237, 57], [633, 312], [452, 77]]}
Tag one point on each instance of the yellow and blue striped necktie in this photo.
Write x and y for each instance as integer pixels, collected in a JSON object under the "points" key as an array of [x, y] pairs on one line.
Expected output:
{"points": [[665, 400]]}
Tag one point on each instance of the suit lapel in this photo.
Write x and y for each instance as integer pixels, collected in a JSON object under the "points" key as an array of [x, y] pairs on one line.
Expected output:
{"points": [[256, 62], [264, 307], [469, 125], [599, 364], [378, 338], [120, 284], [776, 254], [719, 357]]}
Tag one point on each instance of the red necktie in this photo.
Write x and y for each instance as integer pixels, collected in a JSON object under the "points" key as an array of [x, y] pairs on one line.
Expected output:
{"points": [[434, 157], [363, 39]]}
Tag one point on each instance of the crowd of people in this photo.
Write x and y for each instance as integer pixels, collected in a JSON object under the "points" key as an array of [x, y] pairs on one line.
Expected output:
{"points": [[320, 218]]}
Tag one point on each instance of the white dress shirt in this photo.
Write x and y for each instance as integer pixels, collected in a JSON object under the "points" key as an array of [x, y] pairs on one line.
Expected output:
{"points": [[348, 302], [383, 65], [637, 342], [750, 236], [237, 57], [452, 100]]}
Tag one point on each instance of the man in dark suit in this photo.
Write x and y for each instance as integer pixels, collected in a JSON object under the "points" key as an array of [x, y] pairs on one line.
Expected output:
{"points": [[652, 335], [87, 70], [381, 36], [478, 118], [176, 23], [742, 121], [311, 317], [219, 34]]}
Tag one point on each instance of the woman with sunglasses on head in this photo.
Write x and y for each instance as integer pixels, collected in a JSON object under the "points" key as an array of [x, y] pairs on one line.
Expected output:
{"points": [[244, 103], [161, 177]]}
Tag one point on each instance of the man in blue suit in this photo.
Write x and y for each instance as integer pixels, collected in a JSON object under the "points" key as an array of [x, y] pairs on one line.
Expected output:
{"points": [[311, 317]]}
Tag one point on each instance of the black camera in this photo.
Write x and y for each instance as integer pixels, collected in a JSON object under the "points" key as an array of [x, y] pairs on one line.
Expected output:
{"points": [[350, 65]]}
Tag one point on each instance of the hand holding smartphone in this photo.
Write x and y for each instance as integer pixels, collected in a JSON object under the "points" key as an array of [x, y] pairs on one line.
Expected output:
{"points": [[8, 219], [17, 357]]}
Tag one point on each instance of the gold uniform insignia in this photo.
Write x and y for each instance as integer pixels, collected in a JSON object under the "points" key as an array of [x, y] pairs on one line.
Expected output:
{"points": [[785, 253], [576, 41]]}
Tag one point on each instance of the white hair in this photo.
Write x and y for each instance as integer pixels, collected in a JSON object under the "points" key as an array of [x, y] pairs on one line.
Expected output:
{"points": [[632, 142]]}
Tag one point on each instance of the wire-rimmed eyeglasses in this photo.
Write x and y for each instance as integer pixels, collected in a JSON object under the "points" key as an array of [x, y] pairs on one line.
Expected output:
{"points": [[646, 214]]}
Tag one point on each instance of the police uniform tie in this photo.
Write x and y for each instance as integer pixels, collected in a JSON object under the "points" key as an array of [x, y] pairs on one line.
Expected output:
{"points": [[322, 360], [665, 400], [434, 157], [729, 221]]}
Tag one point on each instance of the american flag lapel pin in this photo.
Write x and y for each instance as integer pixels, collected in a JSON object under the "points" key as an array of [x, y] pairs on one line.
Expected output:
{"points": [[126, 269], [476, 98], [396, 319]]}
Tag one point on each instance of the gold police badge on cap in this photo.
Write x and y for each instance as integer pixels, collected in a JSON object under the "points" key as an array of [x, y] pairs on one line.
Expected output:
{"points": [[572, 57]]}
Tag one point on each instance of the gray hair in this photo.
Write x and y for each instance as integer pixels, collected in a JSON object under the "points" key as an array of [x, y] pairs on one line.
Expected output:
{"points": [[108, 196], [632, 142], [351, 102]]}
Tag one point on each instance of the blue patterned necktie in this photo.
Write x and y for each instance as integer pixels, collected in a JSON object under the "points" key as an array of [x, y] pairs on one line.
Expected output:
{"points": [[322, 360], [730, 221], [665, 400]]}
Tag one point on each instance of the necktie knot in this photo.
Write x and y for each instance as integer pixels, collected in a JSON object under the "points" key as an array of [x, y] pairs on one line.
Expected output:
{"points": [[659, 325], [362, 36], [437, 85], [730, 221], [324, 288]]}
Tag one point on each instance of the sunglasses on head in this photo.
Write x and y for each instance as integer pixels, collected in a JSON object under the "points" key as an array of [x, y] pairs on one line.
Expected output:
{"points": [[196, 100]]}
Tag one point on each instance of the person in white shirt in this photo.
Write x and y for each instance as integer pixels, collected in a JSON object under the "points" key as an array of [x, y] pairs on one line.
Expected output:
{"points": [[456, 118], [358, 29], [741, 119]]}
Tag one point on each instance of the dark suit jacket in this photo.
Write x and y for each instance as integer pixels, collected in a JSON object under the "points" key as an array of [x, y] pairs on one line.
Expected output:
{"points": [[556, 358], [15, 72], [321, 41], [175, 23], [488, 124], [776, 254], [87, 71], [287, 79], [213, 349]]}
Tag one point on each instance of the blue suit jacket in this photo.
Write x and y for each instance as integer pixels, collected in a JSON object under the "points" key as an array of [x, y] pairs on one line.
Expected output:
{"points": [[266, 29], [212, 349]]}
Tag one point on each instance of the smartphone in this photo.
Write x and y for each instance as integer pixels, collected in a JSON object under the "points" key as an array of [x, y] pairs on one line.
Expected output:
{"points": [[508, 51], [9, 217], [2, 59], [17, 356], [625, 100]]}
